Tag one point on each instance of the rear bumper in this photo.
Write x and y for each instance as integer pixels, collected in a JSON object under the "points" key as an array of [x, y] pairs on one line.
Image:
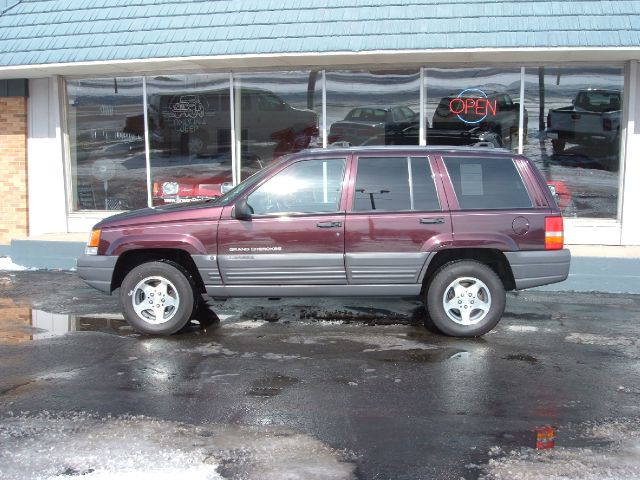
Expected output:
{"points": [[97, 271], [536, 268]]}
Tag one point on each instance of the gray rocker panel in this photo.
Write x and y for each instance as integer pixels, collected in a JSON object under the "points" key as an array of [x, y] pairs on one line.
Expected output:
{"points": [[283, 269]]}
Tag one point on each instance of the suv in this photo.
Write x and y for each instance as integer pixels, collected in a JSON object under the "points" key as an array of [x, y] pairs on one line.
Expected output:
{"points": [[455, 226]]}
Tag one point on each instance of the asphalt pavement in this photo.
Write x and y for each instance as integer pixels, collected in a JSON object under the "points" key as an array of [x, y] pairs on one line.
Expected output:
{"points": [[350, 388]]}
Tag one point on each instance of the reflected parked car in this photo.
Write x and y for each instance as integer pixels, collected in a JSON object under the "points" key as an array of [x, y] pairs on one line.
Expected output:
{"points": [[191, 183], [592, 119], [373, 125]]}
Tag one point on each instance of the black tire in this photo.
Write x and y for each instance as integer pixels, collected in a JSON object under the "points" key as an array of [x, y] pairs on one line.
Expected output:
{"points": [[484, 308], [160, 279], [558, 146]]}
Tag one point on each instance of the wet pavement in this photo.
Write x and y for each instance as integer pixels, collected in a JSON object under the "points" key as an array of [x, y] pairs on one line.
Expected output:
{"points": [[346, 388]]}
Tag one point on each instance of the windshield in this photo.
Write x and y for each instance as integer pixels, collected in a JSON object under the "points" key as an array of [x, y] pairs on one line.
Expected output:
{"points": [[246, 184]]}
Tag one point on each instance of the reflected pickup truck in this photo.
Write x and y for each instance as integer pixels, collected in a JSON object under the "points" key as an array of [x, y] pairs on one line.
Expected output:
{"points": [[593, 118], [454, 226]]}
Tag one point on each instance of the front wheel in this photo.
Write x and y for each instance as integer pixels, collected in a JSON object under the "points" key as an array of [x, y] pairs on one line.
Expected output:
{"points": [[465, 298], [158, 297]]}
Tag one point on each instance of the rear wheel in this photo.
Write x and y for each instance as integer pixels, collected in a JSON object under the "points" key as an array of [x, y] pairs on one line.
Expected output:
{"points": [[465, 298], [158, 297]]}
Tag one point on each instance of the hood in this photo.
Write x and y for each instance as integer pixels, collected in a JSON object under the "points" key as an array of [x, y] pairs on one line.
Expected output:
{"points": [[165, 213]]}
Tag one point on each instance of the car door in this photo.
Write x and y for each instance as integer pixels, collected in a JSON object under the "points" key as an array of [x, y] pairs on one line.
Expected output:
{"points": [[295, 235], [396, 222]]}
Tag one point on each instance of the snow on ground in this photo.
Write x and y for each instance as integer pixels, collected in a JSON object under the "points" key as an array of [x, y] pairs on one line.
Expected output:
{"points": [[7, 265], [615, 455], [47, 447]]}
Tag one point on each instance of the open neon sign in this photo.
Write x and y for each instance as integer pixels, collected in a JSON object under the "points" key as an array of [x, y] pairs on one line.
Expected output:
{"points": [[468, 109]]}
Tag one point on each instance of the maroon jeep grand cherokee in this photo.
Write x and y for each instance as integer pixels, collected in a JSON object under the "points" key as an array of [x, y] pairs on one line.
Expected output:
{"points": [[455, 226]]}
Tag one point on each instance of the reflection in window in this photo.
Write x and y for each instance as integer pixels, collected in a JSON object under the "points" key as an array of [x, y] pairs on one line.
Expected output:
{"points": [[487, 183], [190, 136], [574, 135], [373, 108], [473, 106], [276, 113], [106, 137], [311, 186], [394, 184]]}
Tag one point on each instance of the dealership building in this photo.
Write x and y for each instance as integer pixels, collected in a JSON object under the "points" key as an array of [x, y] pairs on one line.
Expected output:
{"points": [[107, 105]]}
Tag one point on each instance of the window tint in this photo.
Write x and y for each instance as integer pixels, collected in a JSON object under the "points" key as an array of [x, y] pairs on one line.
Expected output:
{"points": [[394, 184], [487, 183], [310, 186]]}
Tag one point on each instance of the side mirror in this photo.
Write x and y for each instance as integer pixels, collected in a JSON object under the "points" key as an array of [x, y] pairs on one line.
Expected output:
{"points": [[242, 210]]}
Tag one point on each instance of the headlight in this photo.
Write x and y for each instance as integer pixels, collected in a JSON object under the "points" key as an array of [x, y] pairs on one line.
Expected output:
{"points": [[93, 243], [170, 188]]}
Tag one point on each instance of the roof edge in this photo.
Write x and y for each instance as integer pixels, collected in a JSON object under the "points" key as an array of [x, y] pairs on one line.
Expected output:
{"points": [[338, 59]]}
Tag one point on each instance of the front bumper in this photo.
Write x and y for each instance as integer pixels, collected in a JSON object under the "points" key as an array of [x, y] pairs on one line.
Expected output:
{"points": [[540, 267], [97, 271]]}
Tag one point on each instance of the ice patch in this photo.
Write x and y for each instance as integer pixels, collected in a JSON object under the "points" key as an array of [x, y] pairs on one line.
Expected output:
{"points": [[212, 348], [383, 343], [300, 340], [589, 339], [521, 328], [247, 324], [618, 460], [47, 447], [280, 357], [7, 265]]}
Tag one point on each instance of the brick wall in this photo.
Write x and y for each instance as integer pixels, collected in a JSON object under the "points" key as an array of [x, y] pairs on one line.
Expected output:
{"points": [[13, 169]]}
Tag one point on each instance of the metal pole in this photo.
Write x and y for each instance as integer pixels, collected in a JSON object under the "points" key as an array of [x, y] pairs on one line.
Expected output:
{"points": [[521, 120], [324, 109], [423, 109], [147, 150], [232, 119]]}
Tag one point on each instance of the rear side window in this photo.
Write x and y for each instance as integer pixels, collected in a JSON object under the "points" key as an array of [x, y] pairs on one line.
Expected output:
{"points": [[487, 183], [394, 184]]}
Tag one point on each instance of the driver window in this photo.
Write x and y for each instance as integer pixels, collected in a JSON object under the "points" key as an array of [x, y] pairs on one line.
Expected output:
{"points": [[310, 186]]}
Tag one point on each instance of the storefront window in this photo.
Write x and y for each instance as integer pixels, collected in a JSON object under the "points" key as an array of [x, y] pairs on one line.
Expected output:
{"points": [[189, 126], [373, 108], [276, 113], [106, 142], [473, 106], [571, 127], [574, 135]]}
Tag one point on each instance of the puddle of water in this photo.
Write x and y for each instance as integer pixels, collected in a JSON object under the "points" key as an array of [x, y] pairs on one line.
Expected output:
{"points": [[20, 324]]}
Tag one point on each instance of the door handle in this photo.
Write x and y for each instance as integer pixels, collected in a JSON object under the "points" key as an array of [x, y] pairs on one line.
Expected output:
{"points": [[432, 220], [329, 224]]}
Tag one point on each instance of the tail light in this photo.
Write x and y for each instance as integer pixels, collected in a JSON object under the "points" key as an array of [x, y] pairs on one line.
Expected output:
{"points": [[607, 124], [553, 233]]}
